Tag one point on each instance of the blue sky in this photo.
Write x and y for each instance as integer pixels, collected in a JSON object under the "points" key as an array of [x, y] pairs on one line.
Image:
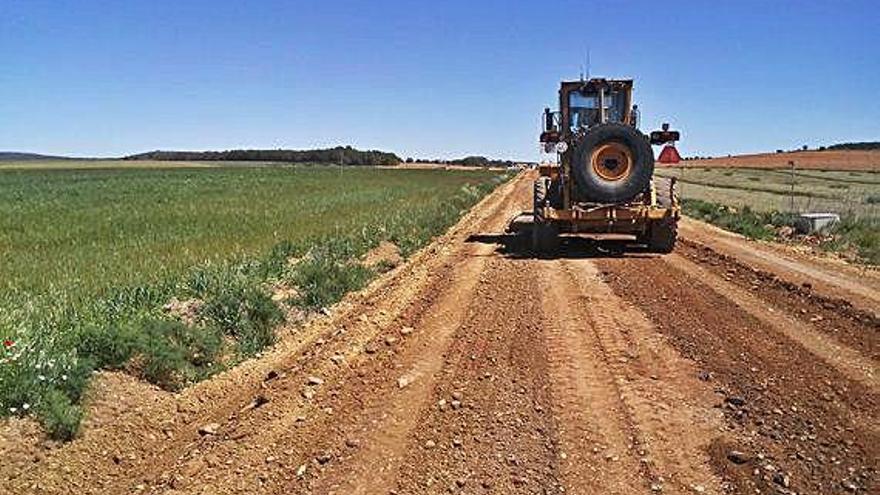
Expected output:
{"points": [[427, 79]]}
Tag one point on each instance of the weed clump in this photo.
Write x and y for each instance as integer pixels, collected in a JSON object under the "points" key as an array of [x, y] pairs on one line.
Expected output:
{"points": [[245, 313], [745, 221], [857, 235], [59, 415], [324, 278]]}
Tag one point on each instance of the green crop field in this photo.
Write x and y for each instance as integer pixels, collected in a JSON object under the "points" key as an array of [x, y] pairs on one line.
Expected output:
{"points": [[91, 254], [76, 164], [856, 193]]}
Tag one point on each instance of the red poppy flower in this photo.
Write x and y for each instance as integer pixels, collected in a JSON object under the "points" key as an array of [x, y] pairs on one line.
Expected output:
{"points": [[8, 343]]}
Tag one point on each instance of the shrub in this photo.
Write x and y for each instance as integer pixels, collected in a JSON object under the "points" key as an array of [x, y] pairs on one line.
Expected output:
{"points": [[244, 311], [861, 234], [172, 354], [109, 346], [43, 377], [159, 360], [59, 415], [326, 275], [755, 225]]}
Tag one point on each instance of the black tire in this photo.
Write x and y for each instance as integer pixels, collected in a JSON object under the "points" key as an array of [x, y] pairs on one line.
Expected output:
{"points": [[540, 197], [664, 198], [593, 187], [545, 238], [662, 236], [545, 234]]}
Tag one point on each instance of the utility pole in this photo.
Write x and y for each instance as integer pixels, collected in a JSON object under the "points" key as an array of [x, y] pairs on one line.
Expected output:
{"points": [[791, 193]]}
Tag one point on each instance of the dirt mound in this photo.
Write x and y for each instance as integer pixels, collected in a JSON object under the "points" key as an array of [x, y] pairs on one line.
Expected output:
{"points": [[187, 310], [383, 257]]}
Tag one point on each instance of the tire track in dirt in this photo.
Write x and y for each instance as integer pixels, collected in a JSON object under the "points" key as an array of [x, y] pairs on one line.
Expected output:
{"points": [[379, 423], [832, 316], [489, 429], [632, 416], [310, 425], [848, 361], [594, 427], [801, 425], [839, 279]]}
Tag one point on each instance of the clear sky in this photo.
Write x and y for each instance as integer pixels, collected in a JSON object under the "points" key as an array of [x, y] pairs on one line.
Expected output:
{"points": [[427, 79]]}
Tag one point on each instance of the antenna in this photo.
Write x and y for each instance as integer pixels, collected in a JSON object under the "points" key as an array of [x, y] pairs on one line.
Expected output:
{"points": [[588, 62], [585, 68]]}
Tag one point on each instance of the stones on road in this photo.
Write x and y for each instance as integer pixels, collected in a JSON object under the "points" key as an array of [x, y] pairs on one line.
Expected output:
{"points": [[737, 457], [209, 429]]}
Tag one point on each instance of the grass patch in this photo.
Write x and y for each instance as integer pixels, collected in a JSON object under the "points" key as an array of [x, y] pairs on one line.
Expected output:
{"points": [[93, 256], [752, 224], [326, 275], [746, 188], [857, 236]]}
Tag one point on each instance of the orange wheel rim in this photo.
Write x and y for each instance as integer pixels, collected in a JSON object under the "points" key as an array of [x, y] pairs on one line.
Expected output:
{"points": [[612, 161]]}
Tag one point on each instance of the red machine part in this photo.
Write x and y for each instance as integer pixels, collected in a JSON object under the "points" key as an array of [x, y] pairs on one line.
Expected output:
{"points": [[669, 155]]}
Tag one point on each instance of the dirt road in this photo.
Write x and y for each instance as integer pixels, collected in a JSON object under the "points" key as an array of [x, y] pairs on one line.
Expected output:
{"points": [[475, 368]]}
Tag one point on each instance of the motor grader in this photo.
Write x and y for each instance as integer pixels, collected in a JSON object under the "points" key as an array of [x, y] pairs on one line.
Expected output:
{"points": [[602, 181]]}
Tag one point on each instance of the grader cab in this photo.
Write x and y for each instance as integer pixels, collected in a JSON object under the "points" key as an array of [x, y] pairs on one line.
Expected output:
{"points": [[602, 182]]}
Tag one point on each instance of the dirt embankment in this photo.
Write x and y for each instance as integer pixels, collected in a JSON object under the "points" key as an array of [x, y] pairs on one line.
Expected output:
{"points": [[475, 368], [852, 160]]}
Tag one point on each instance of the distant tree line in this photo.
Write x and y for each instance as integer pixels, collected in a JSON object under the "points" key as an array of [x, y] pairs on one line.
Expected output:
{"points": [[468, 161], [864, 146], [339, 155]]}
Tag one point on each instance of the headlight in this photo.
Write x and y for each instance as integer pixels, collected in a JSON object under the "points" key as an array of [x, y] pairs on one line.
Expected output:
{"points": [[561, 147]]}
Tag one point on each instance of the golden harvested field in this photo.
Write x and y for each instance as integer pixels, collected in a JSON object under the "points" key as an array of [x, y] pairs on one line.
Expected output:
{"points": [[868, 161]]}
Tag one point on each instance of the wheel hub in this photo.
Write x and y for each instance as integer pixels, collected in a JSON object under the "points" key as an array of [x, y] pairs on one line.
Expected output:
{"points": [[612, 161]]}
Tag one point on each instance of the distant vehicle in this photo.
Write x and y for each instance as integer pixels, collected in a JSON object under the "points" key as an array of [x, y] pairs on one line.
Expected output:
{"points": [[603, 181]]}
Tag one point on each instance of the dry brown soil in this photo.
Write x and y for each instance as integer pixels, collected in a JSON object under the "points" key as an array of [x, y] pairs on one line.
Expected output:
{"points": [[854, 160], [477, 368]]}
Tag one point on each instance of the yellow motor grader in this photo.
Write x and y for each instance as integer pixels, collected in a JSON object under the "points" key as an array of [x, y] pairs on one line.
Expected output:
{"points": [[602, 182]]}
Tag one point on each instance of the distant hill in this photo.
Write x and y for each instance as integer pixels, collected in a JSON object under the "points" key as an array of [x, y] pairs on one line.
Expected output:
{"points": [[7, 156], [340, 155]]}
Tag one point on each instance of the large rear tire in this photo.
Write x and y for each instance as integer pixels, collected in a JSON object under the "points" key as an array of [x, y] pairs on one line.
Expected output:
{"points": [[613, 163], [545, 234]]}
